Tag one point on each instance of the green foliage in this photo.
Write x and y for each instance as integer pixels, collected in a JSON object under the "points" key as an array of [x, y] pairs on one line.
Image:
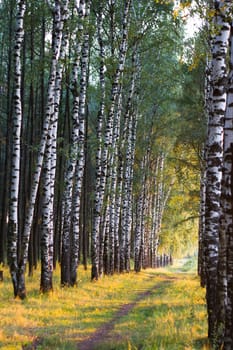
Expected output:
{"points": [[180, 222]]}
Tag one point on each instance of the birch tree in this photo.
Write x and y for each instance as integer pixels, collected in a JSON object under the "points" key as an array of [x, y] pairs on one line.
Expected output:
{"points": [[49, 167], [75, 163], [225, 274], [80, 162], [139, 228], [131, 121], [214, 156], [6, 76], [107, 143], [46, 125], [13, 230]]}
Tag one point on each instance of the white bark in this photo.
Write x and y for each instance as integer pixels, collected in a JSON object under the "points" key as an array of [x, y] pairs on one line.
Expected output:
{"points": [[98, 189], [73, 155], [99, 197], [16, 147], [78, 180], [220, 45], [46, 125], [225, 261], [49, 166]]}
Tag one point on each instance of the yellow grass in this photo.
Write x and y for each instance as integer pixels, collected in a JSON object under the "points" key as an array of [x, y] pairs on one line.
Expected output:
{"points": [[172, 317]]}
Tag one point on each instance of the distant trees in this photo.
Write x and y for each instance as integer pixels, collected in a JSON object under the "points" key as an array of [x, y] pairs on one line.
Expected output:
{"points": [[90, 119], [101, 214], [75, 164]]}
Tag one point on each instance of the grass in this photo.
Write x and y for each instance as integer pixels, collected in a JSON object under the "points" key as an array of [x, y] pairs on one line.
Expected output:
{"points": [[172, 317]]}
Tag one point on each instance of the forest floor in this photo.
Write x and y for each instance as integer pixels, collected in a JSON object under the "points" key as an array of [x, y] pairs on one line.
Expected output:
{"points": [[162, 309]]}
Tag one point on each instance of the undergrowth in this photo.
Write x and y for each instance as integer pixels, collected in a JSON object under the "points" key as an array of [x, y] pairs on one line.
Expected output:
{"points": [[172, 317]]}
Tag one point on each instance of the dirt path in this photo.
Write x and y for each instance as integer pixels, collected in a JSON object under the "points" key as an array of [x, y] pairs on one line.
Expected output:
{"points": [[105, 331]]}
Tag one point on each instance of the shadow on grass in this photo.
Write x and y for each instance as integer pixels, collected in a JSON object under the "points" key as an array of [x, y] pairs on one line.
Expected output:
{"points": [[156, 307], [166, 324], [202, 343], [152, 324], [152, 321], [161, 343]]}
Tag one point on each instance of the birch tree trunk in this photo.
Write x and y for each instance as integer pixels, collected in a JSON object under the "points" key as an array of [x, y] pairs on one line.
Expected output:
{"points": [[99, 195], [118, 205], [76, 163], [139, 229], [154, 224], [73, 154], [201, 233], [7, 152], [21, 290], [127, 196], [131, 120], [77, 192], [46, 284], [214, 158], [113, 224], [138, 235], [224, 304], [201, 230], [49, 169], [96, 238], [13, 227]]}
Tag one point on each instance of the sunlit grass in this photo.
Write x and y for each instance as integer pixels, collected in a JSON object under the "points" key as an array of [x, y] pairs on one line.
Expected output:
{"points": [[172, 317]]}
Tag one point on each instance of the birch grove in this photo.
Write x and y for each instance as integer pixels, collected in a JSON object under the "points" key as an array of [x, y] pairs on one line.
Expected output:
{"points": [[116, 143], [91, 173]]}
